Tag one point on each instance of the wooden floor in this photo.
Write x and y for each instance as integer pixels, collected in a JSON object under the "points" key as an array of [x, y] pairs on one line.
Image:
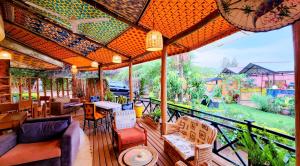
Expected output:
{"points": [[104, 153]]}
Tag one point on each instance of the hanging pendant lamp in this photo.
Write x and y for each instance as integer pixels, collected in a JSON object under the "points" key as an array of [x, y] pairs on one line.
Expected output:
{"points": [[116, 59], [5, 55], [2, 33], [154, 39], [74, 69], [94, 64]]}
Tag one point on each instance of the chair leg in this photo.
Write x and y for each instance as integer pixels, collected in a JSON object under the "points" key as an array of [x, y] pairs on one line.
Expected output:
{"points": [[89, 123], [84, 124], [95, 125]]}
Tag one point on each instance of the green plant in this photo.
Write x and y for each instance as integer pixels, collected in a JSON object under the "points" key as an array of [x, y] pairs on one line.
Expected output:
{"points": [[217, 92], [262, 102], [109, 96], [155, 115], [262, 154]]}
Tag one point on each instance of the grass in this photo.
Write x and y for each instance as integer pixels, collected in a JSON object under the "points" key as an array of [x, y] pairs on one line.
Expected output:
{"points": [[270, 120]]}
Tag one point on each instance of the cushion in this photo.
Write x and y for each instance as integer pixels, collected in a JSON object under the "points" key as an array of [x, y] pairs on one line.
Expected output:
{"points": [[7, 142], [131, 136], [62, 99], [41, 131], [184, 147], [25, 153], [125, 119]]}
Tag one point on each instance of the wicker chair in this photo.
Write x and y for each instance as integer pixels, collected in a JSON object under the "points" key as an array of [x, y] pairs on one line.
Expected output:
{"points": [[190, 140]]}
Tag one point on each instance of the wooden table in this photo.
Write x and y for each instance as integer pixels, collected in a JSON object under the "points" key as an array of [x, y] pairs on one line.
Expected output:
{"points": [[107, 105], [12, 120], [151, 150]]}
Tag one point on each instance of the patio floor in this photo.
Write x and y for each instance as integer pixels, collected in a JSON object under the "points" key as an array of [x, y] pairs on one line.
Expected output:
{"points": [[104, 154]]}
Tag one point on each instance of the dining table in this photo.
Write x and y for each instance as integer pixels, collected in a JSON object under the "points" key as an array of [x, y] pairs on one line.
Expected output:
{"points": [[109, 107], [12, 120]]}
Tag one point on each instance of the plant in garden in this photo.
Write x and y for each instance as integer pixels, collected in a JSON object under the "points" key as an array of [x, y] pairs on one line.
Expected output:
{"points": [[262, 102], [155, 115], [217, 92]]}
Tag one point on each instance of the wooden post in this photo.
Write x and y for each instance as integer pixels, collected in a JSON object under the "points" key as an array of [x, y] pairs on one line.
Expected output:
{"points": [[100, 73], [130, 82], [20, 89], [38, 90], [45, 87], [51, 87], [62, 87], [57, 87], [68, 94], [29, 89], [163, 90], [296, 37], [74, 86]]}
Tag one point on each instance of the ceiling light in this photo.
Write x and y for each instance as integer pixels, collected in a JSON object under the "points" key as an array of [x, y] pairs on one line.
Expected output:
{"points": [[117, 59], [154, 41], [2, 32], [94, 64], [5, 55]]}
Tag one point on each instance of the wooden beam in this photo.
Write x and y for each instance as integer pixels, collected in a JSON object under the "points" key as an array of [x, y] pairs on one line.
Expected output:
{"points": [[24, 7], [100, 73], [163, 90], [213, 15], [130, 82], [296, 37]]}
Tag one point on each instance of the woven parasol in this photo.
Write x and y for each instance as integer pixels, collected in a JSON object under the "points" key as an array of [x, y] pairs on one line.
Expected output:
{"points": [[260, 15]]}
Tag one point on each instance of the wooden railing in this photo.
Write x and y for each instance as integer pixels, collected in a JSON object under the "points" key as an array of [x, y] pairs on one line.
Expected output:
{"points": [[225, 126]]}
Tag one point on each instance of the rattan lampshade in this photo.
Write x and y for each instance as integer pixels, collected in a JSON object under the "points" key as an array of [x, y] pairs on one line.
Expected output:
{"points": [[154, 41], [74, 67], [116, 59], [74, 70], [5, 55], [260, 15], [94, 64], [2, 33]]}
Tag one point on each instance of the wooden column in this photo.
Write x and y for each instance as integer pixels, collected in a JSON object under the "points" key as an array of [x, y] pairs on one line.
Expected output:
{"points": [[20, 89], [51, 87], [38, 89], [296, 37], [29, 89], [57, 87], [68, 94], [130, 82], [62, 87], [45, 87], [100, 73], [163, 89], [74, 86]]}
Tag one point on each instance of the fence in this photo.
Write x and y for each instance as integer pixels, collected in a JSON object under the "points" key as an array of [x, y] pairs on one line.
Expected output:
{"points": [[225, 126]]}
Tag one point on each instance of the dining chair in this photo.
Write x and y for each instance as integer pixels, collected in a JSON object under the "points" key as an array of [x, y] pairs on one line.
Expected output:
{"points": [[127, 106], [8, 107], [90, 114], [26, 105], [94, 98]]}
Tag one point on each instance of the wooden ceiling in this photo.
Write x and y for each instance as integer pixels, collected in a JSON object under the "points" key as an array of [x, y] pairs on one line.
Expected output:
{"points": [[185, 25]]}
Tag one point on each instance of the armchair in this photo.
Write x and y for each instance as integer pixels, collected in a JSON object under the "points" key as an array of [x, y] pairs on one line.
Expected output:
{"points": [[190, 140], [127, 132]]}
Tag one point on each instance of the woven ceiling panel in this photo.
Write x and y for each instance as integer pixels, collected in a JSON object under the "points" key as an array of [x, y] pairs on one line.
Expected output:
{"points": [[116, 66], [173, 16], [130, 9], [74, 42], [37, 43], [102, 32], [79, 61], [131, 43], [211, 32], [103, 55]]}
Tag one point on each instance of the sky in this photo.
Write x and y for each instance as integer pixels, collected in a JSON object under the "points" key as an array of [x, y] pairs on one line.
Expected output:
{"points": [[274, 46]]}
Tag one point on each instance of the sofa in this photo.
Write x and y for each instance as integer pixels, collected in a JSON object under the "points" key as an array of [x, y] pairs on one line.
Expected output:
{"points": [[190, 140], [47, 142], [63, 105]]}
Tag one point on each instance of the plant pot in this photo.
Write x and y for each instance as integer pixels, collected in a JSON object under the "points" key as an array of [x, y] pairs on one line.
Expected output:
{"points": [[148, 120]]}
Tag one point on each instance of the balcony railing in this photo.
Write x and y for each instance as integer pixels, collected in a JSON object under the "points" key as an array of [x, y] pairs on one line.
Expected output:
{"points": [[225, 126]]}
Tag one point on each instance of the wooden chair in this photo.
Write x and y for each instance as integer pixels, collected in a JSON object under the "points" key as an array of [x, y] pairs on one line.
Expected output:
{"points": [[8, 107], [126, 131], [26, 105], [90, 114], [40, 111], [45, 99]]}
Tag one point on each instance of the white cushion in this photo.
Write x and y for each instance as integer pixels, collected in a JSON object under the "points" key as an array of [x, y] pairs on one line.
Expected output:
{"points": [[124, 119]]}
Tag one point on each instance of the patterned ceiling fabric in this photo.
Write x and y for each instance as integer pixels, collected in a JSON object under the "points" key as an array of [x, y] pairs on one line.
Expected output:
{"points": [[174, 16], [72, 41], [216, 29], [79, 61], [102, 32], [116, 66], [24, 61], [103, 55], [37, 43], [130, 9]]}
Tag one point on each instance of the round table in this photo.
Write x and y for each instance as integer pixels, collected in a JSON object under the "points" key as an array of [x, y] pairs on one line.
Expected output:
{"points": [[154, 155]]}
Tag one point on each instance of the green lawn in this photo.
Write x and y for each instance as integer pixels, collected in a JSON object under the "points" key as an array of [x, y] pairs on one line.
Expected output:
{"points": [[271, 120]]}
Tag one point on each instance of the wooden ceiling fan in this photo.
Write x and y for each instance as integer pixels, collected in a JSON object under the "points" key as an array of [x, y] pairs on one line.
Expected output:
{"points": [[72, 20]]}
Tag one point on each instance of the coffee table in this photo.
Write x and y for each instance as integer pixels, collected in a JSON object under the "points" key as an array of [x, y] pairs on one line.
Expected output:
{"points": [[138, 156]]}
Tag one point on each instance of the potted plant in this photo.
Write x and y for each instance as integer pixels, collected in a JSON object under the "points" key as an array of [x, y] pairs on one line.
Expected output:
{"points": [[152, 119]]}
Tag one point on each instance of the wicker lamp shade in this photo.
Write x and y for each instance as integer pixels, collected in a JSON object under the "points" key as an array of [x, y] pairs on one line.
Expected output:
{"points": [[154, 41], [2, 33], [74, 67], [116, 59], [5, 55], [94, 64], [74, 70], [260, 15]]}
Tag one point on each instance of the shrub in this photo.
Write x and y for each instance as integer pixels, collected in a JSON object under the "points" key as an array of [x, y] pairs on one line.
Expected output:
{"points": [[217, 92], [266, 103]]}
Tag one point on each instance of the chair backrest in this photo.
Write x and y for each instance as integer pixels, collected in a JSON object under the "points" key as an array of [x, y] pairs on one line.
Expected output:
{"points": [[89, 111], [124, 119], [196, 130], [45, 98], [6, 107], [25, 104], [127, 106], [94, 98]]}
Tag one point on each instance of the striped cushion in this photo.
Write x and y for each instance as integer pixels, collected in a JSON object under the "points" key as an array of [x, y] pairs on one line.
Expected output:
{"points": [[125, 119]]}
